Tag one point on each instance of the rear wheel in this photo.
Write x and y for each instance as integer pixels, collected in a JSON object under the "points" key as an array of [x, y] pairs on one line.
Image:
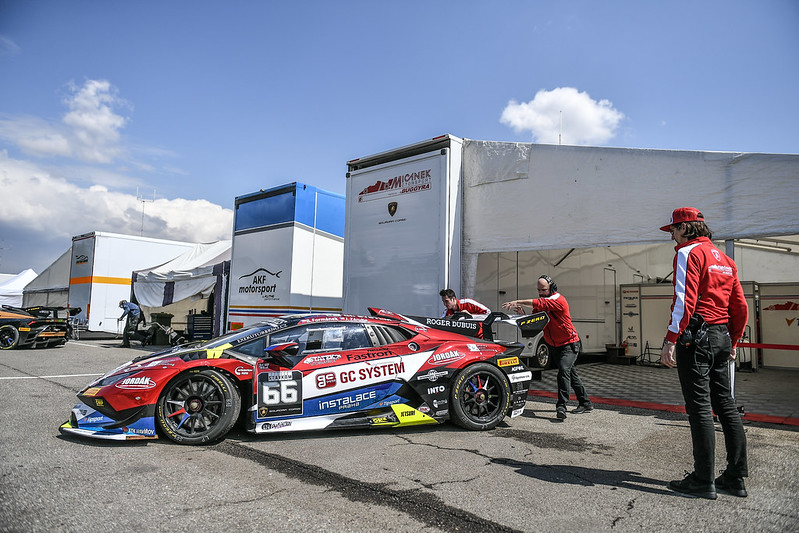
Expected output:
{"points": [[198, 407], [480, 397], [9, 337]]}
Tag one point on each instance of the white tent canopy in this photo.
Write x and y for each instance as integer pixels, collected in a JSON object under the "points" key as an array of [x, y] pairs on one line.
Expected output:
{"points": [[190, 274], [539, 196], [11, 289], [522, 196]]}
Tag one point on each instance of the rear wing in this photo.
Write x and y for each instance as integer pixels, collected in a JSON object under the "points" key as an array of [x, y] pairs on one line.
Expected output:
{"points": [[530, 325]]}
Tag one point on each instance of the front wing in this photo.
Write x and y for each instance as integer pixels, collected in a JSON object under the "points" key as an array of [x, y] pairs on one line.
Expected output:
{"points": [[85, 421]]}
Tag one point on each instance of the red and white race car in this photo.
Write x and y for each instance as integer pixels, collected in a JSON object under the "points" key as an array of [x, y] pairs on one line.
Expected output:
{"points": [[311, 372]]}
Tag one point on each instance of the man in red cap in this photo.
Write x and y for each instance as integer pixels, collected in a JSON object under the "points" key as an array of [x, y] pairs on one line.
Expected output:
{"points": [[708, 316]]}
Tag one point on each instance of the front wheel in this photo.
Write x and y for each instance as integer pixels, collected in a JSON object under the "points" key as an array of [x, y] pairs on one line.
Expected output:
{"points": [[198, 407], [480, 397], [9, 337]]}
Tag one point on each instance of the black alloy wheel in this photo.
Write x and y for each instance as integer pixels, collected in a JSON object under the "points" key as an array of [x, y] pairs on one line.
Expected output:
{"points": [[480, 397], [9, 337], [198, 407]]}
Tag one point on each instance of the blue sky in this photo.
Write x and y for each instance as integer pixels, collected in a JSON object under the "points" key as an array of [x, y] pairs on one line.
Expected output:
{"points": [[204, 101]]}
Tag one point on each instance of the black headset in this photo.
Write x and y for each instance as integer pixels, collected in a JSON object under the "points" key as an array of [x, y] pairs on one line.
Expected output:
{"points": [[553, 287]]}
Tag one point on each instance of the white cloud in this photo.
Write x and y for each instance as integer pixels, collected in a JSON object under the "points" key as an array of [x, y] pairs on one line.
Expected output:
{"points": [[564, 111], [37, 201], [94, 124], [89, 132], [81, 186]]}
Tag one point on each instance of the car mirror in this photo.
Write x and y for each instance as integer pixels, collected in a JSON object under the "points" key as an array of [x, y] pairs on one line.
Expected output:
{"points": [[284, 349]]}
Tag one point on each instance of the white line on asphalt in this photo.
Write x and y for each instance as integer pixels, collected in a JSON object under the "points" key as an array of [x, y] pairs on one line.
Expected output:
{"points": [[84, 344], [50, 377]]}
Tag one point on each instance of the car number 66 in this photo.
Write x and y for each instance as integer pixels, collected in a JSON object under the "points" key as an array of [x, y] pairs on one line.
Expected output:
{"points": [[277, 392]]}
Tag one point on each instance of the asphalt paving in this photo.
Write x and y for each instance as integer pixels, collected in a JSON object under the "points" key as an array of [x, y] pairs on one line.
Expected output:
{"points": [[602, 471]]}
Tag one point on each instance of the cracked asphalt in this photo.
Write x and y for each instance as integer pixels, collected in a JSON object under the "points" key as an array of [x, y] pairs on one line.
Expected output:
{"points": [[602, 471]]}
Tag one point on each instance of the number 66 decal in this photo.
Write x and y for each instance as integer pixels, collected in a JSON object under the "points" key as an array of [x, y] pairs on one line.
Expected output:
{"points": [[279, 394]]}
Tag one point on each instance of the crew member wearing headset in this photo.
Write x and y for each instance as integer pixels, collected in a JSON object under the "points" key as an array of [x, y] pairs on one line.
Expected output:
{"points": [[708, 317], [564, 343], [466, 305]]}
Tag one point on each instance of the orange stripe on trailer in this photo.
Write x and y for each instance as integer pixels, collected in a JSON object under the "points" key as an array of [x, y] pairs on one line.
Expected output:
{"points": [[108, 280]]}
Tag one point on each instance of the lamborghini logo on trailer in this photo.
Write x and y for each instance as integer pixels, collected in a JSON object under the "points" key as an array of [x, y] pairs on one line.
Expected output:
{"points": [[392, 208]]}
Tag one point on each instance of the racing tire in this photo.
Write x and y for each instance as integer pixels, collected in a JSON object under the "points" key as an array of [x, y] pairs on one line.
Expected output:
{"points": [[198, 407], [480, 397], [9, 337]]}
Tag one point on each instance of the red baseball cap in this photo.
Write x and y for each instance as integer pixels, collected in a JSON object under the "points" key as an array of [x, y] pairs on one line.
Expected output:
{"points": [[683, 214]]}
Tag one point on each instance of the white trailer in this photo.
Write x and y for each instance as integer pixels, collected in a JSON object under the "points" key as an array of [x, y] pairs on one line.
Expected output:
{"points": [[287, 256], [403, 235], [100, 273]]}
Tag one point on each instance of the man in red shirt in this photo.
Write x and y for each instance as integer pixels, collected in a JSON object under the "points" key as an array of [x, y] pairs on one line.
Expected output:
{"points": [[453, 305], [708, 317], [563, 341]]}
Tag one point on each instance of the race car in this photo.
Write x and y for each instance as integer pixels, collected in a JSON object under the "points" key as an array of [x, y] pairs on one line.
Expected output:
{"points": [[311, 372], [31, 326]]}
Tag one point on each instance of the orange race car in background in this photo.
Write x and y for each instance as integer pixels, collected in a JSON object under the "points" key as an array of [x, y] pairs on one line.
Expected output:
{"points": [[32, 326]]}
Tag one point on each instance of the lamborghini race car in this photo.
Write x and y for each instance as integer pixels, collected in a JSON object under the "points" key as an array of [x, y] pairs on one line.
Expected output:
{"points": [[28, 327], [311, 372]]}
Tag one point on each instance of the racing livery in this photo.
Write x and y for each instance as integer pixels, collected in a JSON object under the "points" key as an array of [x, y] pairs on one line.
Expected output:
{"points": [[33, 326], [312, 372]]}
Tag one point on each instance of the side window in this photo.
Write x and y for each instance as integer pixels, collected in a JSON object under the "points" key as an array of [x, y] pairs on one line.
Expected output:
{"points": [[337, 337], [254, 348], [355, 337], [325, 337], [298, 335]]}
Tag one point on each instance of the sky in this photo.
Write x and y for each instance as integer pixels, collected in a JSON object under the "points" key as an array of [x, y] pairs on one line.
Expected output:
{"points": [[150, 117]]}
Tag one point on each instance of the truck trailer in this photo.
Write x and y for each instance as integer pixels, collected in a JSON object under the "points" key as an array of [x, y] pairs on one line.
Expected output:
{"points": [[287, 254], [100, 273]]}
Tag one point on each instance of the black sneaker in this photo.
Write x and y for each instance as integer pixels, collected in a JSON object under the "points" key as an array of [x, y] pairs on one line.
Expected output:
{"points": [[690, 486], [731, 485], [561, 413], [583, 409]]}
